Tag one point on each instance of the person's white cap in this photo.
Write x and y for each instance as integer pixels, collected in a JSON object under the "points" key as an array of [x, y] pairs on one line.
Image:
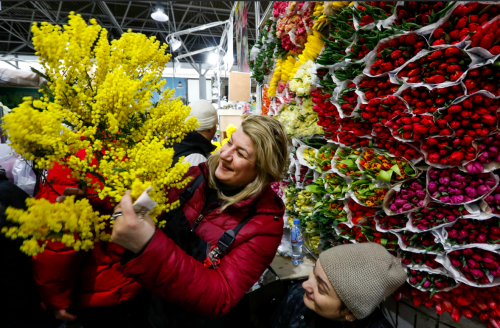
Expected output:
{"points": [[205, 112]]}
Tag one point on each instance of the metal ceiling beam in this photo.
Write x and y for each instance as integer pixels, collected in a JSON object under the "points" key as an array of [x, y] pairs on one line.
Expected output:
{"points": [[126, 12], [185, 13], [111, 17]]}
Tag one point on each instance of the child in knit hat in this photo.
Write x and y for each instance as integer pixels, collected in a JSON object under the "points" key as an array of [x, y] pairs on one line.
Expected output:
{"points": [[344, 290]]}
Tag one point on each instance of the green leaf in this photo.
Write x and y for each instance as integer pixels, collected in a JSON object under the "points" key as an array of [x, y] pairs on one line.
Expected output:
{"points": [[318, 204], [347, 162], [409, 171], [395, 168], [385, 176], [383, 241], [313, 188]]}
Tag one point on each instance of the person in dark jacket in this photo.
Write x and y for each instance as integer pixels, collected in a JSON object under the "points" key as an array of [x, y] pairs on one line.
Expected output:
{"points": [[344, 290], [197, 145], [20, 301]]}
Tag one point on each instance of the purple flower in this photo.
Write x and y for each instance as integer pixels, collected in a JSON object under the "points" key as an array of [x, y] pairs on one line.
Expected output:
{"points": [[454, 191], [453, 233], [420, 194], [405, 197], [482, 238], [420, 203], [444, 173], [442, 189], [471, 192], [434, 175], [497, 199], [481, 147], [407, 207], [468, 199], [456, 263], [416, 186], [445, 199], [411, 194], [463, 234], [459, 185], [474, 167], [483, 190], [427, 284], [483, 158], [440, 216], [487, 140], [451, 218], [400, 202], [444, 181], [477, 273], [489, 199], [457, 199], [432, 187], [458, 177], [474, 184], [492, 151], [490, 182], [403, 192], [394, 207]]}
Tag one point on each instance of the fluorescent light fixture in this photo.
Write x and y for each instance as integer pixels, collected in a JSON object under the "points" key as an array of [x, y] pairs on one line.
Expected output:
{"points": [[159, 13], [179, 85]]}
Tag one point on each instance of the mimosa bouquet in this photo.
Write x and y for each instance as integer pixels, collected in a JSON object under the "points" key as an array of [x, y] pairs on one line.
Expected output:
{"points": [[97, 102]]}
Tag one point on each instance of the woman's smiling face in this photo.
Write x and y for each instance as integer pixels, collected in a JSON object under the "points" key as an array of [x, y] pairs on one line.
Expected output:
{"points": [[237, 160], [322, 298]]}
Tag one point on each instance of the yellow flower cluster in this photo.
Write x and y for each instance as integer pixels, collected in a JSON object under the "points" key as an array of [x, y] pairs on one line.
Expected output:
{"points": [[44, 222], [287, 68], [320, 18], [229, 131], [98, 99], [216, 144], [312, 48], [273, 84]]}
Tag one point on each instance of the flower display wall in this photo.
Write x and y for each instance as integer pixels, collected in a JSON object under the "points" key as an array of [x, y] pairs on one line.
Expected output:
{"points": [[405, 94]]}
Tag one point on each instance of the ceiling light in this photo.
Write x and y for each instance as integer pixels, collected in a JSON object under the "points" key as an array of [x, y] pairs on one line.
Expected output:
{"points": [[159, 13], [174, 43], [179, 85]]}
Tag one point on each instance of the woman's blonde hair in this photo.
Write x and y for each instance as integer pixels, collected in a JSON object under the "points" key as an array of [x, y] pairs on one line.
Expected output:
{"points": [[272, 147]]}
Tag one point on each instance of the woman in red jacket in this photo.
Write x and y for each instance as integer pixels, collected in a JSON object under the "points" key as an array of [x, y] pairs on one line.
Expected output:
{"points": [[230, 210]]}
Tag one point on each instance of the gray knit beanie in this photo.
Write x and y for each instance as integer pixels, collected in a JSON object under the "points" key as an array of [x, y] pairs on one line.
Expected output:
{"points": [[363, 275]]}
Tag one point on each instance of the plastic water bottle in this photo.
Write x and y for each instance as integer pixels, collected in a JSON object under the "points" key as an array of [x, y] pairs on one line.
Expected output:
{"points": [[297, 257]]}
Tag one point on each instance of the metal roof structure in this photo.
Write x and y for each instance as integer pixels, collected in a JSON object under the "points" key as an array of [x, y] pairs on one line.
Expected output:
{"points": [[117, 17]]}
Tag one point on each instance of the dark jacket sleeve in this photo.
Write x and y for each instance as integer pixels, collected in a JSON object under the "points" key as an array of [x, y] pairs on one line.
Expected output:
{"points": [[176, 277]]}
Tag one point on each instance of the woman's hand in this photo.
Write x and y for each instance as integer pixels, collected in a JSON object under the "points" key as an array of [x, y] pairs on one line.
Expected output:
{"points": [[71, 192], [63, 315], [128, 230]]}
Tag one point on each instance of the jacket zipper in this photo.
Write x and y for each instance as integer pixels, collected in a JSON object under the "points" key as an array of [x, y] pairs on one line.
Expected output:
{"points": [[197, 222]]}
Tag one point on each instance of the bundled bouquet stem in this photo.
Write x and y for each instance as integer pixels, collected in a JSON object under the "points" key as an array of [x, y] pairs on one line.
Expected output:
{"points": [[97, 102]]}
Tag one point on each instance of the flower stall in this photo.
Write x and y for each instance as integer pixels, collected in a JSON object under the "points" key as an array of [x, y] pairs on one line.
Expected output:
{"points": [[393, 110]]}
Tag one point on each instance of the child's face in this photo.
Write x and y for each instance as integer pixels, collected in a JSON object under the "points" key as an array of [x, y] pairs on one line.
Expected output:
{"points": [[322, 298]]}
